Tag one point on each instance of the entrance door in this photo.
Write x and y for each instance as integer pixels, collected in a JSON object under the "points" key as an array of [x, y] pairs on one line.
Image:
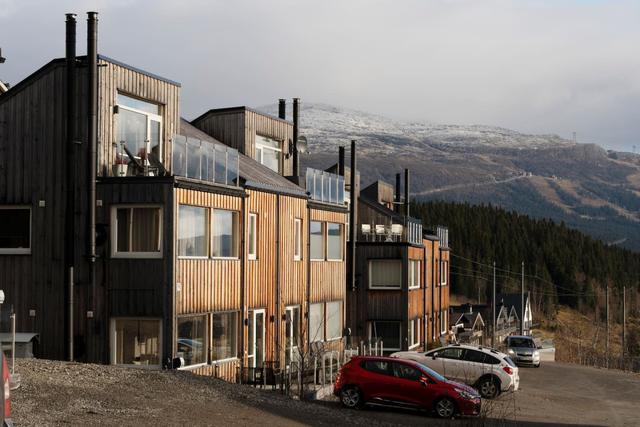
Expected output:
{"points": [[292, 334], [256, 338]]}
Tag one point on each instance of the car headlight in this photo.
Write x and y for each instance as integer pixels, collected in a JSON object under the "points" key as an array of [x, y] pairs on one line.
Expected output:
{"points": [[510, 351], [536, 353], [465, 394]]}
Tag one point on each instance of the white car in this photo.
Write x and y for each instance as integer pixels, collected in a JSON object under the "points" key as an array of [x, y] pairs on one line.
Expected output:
{"points": [[489, 371]]}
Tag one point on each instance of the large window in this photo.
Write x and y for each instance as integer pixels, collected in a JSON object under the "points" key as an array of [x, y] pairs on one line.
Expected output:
{"points": [[225, 336], [317, 241], [297, 239], [135, 342], [192, 339], [224, 234], [385, 274], [253, 236], [15, 230], [414, 333], [388, 331], [193, 226], [136, 232], [139, 127], [414, 274], [334, 320], [268, 152], [292, 333], [334, 241], [316, 322]]}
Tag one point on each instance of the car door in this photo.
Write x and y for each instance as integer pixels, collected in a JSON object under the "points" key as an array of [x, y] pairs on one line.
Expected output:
{"points": [[471, 366], [409, 389], [378, 382], [451, 362], [433, 359]]}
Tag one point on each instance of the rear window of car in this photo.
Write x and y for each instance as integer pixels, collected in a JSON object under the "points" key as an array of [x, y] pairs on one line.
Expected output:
{"points": [[490, 359], [474, 356], [509, 361], [377, 366]]}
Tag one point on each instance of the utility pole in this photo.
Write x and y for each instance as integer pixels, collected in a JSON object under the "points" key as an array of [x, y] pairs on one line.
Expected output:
{"points": [[522, 308], [493, 309], [624, 318]]}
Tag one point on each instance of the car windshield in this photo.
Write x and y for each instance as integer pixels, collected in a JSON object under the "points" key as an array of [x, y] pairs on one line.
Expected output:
{"points": [[509, 361], [521, 342], [433, 374]]}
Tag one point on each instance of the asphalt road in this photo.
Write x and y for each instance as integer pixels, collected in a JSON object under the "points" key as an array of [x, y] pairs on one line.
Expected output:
{"points": [[554, 394]]}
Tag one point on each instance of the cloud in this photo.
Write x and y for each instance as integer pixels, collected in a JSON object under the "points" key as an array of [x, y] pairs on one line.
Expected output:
{"points": [[532, 65]]}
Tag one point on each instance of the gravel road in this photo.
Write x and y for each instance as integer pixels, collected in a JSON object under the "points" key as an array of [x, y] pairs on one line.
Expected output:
{"points": [[72, 394]]}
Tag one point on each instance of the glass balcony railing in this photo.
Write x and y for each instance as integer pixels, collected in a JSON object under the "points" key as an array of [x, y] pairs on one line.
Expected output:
{"points": [[204, 160], [410, 231], [325, 187]]}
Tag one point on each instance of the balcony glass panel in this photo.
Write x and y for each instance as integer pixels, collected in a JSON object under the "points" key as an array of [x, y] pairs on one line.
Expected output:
{"points": [[205, 161], [179, 160], [232, 167], [221, 165], [193, 158]]}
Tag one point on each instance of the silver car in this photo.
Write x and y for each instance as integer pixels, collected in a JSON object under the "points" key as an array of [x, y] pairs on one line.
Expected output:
{"points": [[523, 350]]}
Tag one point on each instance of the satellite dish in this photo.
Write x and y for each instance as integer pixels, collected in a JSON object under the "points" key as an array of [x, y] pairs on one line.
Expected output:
{"points": [[302, 144]]}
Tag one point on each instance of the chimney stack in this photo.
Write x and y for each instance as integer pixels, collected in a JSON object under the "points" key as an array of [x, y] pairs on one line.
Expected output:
{"points": [[282, 109], [341, 161], [296, 129], [406, 192], [398, 195]]}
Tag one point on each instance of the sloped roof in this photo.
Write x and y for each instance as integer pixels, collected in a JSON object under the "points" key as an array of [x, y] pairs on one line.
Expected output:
{"points": [[253, 174], [514, 300]]}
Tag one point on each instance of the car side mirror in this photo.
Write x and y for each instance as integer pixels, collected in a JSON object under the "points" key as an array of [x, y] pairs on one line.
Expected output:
{"points": [[433, 357], [424, 381]]}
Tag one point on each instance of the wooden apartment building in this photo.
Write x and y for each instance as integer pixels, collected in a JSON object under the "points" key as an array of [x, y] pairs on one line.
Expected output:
{"points": [[131, 236]]}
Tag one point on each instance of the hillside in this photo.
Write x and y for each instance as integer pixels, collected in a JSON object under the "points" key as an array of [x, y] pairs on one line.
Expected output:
{"points": [[544, 176]]}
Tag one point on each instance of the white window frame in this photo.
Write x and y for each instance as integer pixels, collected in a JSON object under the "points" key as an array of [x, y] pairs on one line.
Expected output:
{"points": [[326, 231], [112, 342], [414, 333], [150, 117], [289, 310], [443, 272], [19, 251], [207, 337], [251, 358], [237, 229], [252, 240], [372, 336], [262, 147], [207, 232], [326, 320], [414, 275], [297, 239], [443, 321], [114, 232], [385, 287], [323, 231]]}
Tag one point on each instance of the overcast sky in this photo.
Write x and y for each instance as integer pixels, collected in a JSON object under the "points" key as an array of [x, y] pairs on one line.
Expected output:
{"points": [[535, 66]]}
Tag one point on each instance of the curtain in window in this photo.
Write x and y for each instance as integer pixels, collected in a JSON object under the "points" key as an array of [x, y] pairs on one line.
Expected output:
{"points": [[145, 232], [224, 234], [316, 322], [334, 241], [192, 231], [385, 273]]}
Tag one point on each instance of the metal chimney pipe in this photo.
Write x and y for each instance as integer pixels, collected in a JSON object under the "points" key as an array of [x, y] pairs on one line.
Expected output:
{"points": [[406, 192], [69, 244], [398, 195], [341, 160], [92, 138], [353, 211], [282, 109], [296, 124]]}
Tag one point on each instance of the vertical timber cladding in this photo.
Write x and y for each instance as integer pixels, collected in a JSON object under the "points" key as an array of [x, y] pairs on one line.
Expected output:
{"points": [[114, 78], [209, 285], [328, 278], [32, 135]]}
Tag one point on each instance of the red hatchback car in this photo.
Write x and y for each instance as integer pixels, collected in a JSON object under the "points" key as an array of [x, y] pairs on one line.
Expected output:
{"points": [[404, 383]]}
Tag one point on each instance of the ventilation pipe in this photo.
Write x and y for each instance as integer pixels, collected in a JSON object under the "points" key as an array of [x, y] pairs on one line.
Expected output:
{"points": [[406, 192], [296, 129], [69, 249], [353, 208], [282, 109], [92, 138]]}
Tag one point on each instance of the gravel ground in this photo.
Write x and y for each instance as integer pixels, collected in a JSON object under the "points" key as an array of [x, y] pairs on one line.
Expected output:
{"points": [[62, 393]]}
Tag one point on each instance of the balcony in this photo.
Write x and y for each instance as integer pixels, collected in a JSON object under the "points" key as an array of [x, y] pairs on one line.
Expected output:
{"points": [[409, 232], [205, 161], [325, 187]]}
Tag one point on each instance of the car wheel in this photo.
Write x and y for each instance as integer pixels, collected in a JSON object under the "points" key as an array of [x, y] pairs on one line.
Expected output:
{"points": [[351, 397], [444, 408], [488, 388], [537, 366]]}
